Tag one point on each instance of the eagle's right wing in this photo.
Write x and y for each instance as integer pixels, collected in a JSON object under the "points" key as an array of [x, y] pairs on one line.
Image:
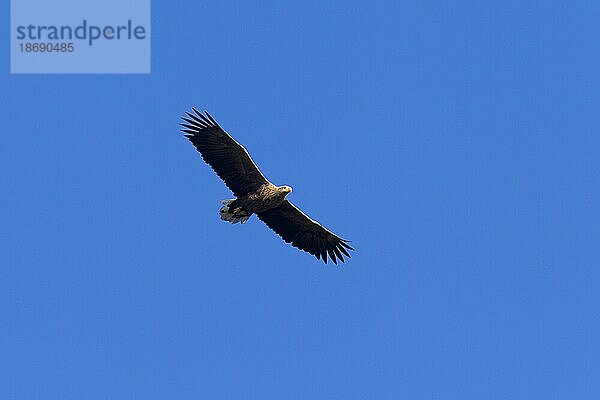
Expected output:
{"points": [[302, 232], [226, 157]]}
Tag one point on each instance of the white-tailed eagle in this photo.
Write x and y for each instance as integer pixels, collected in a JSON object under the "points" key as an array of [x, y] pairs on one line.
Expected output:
{"points": [[255, 194]]}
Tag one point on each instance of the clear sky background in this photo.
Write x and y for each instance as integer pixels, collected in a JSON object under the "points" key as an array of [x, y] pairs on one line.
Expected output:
{"points": [[455, 143]]}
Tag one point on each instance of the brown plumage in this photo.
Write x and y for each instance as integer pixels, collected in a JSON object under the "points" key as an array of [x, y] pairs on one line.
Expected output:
{"points": [[255, 194]]}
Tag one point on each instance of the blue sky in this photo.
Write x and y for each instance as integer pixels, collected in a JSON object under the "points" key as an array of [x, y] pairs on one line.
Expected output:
{"points": [[455, 143]]}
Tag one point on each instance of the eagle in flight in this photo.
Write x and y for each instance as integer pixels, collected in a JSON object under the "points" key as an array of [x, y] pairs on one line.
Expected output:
{"points": [[255, 194]]}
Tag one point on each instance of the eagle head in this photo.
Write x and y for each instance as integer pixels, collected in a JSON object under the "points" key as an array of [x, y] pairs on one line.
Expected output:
{"points": [[284, 189]]}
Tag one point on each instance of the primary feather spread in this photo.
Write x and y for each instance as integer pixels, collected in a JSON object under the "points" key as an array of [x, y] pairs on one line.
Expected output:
{"points": [[255, 194]]}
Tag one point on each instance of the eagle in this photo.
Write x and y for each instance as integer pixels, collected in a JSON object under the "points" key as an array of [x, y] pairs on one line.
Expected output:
{"points": [[255, 194]]}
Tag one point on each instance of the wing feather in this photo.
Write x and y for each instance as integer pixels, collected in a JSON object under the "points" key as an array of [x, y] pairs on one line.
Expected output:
{"points": [[338, 254]]}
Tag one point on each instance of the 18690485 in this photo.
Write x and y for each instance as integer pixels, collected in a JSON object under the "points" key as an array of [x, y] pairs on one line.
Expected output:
{"points": [[47, 47]]}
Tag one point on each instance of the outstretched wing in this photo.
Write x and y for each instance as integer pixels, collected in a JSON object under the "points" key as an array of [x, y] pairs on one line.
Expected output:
{"points": [[226, 157], [302, 232]]}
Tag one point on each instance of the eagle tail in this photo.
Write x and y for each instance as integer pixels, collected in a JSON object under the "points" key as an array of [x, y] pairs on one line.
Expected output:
{"points": [[238, 214]]}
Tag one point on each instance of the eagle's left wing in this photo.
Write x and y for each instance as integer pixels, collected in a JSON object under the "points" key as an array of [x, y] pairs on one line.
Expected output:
{"points": [[226, 157], [302, 232]]}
